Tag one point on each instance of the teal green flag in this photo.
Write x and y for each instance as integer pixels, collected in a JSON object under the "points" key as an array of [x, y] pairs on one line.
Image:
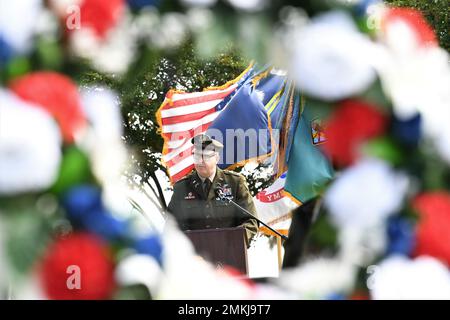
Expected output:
{"points": [[308, 168]]}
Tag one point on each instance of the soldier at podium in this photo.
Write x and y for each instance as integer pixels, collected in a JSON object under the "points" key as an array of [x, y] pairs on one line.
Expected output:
{"points": [[194, 204]]}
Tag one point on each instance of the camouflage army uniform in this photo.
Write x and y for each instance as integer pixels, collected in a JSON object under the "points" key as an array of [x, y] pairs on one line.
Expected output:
{"points": [[193, 210]]}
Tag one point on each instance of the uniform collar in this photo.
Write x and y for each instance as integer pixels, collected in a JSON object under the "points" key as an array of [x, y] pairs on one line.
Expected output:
{"points": [[211, 177], [196, 183]]}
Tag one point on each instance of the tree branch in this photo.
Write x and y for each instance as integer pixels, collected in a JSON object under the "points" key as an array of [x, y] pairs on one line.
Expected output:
{"points": [[161, 198]]}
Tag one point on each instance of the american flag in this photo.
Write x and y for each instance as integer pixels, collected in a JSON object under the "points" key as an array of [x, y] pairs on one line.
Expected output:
{"points": [[183, 115]]}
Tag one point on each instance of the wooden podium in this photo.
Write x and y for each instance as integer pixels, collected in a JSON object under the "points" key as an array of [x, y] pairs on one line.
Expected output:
{"points": [[224, 246]]}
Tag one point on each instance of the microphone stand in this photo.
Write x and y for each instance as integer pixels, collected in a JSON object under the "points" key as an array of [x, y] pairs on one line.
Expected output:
{"points": [[226, 199]]}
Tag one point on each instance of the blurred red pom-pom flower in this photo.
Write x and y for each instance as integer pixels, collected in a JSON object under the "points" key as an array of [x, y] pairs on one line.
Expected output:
{"points": [[414, 19], [83, 252], [101, 15], [56, 94], [433, 236], [353, 123]]}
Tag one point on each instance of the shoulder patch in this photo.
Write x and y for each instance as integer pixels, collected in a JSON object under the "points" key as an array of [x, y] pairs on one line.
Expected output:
{"points": [[232, 173], [184, 178]]}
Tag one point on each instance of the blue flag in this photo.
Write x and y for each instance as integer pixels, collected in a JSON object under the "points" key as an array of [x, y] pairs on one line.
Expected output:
{"points": [[257, 121], [269, 85], [243, 128]]}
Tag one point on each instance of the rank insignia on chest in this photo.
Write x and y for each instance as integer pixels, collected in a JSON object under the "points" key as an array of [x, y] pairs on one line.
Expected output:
{"points": [[189, 196], [226, 191]]}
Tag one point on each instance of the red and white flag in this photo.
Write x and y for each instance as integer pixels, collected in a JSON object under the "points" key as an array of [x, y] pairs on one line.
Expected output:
{"points": [[184, 115]]}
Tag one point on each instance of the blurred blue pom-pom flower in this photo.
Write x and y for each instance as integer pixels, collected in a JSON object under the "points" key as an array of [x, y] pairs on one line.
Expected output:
{"points": [[408, 131], [401, 236], [6, 52], [81, 200], [105, 225], [150, 245], [335, 296], [85, 210]]}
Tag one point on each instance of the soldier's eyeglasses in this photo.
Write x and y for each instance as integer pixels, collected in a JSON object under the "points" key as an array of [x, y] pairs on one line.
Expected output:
{"points": [[205, 157]]}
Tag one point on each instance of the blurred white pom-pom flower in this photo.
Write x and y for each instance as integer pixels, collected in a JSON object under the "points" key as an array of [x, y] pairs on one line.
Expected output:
{"points": [[30, 146], [199, 3], [101, 107], [249, 5], [319, 278], [361, 246], [398, 277], [199, 19], [139, 269], [18, 21], [108, 162], [415, 77], [415, 74], [328, 57], [113, 54], [171, 31], [442, 142], [102, 140], [366, 194]]}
